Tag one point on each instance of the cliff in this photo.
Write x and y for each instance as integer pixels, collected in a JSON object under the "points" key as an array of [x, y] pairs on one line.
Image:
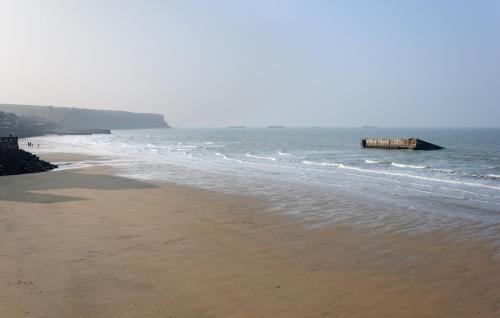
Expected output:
{"points": [[77, 118], [82, 119]]}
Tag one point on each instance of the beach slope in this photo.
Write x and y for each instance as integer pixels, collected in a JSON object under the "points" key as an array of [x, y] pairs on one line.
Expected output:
{"points": [[89, 244]]}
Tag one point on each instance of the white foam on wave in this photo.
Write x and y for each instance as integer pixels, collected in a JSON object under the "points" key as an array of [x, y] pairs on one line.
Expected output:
{"points": [[281, 153], [227, 158], [493, 176], [182, 149], [324, 164], [373, 161], [443, 170], [398, 174], [402, 165], [259, 157]]}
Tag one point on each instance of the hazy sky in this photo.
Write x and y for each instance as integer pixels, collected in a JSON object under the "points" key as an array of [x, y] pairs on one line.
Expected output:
{"points": [[217, 63]]}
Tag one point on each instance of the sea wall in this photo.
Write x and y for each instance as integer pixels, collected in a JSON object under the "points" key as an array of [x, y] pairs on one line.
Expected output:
{"points": [[9, 143]]}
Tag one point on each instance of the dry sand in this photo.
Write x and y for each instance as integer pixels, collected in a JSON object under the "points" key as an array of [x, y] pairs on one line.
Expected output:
{"points": [[90, 244]]}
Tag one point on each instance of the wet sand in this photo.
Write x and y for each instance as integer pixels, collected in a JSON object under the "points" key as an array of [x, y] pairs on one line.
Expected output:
{"points": [[62, 156], [89, 244]]}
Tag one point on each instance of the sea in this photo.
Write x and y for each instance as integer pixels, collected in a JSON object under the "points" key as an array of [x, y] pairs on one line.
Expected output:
{"points": [[321, 175]]}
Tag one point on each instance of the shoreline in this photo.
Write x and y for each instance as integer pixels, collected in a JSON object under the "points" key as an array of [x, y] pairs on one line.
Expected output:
{"points": [[87, 243]]}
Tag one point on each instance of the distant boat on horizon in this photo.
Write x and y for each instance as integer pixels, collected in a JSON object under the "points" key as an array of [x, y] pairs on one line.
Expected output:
{"points": [[275, 126]]}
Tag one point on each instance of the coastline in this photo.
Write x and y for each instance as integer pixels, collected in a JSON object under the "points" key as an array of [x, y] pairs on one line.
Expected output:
{"points": [[86, 243]]}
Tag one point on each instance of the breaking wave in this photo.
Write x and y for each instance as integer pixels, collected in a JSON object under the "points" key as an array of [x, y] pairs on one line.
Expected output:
{"points": [[259, 157], [402, 165]]}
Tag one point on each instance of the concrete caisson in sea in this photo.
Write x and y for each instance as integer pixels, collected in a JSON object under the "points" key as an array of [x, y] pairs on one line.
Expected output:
{"points": [[398, 143]]}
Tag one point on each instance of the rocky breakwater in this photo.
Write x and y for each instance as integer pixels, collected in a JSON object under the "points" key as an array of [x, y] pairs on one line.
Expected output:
{"points": [[17, 161]]}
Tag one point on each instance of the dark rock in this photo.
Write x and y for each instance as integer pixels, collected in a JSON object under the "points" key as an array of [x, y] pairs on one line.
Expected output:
{"points": [[16, 161]]}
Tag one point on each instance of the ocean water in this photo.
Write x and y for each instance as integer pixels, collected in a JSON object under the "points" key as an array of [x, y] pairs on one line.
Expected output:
{"points": [[321, 174]]}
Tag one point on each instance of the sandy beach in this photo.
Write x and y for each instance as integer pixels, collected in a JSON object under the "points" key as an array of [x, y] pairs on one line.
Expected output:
{"points": [[86, 243]]}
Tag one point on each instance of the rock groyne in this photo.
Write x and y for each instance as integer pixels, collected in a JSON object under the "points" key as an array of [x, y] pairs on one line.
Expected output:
{"points": [[16, 161]]}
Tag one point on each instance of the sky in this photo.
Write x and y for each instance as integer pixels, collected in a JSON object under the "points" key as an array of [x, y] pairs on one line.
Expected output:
{"points": [[256, 63]]}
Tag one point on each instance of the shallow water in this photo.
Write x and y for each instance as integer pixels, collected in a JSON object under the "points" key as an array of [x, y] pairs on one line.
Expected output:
{"points": [[322, 174]]}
